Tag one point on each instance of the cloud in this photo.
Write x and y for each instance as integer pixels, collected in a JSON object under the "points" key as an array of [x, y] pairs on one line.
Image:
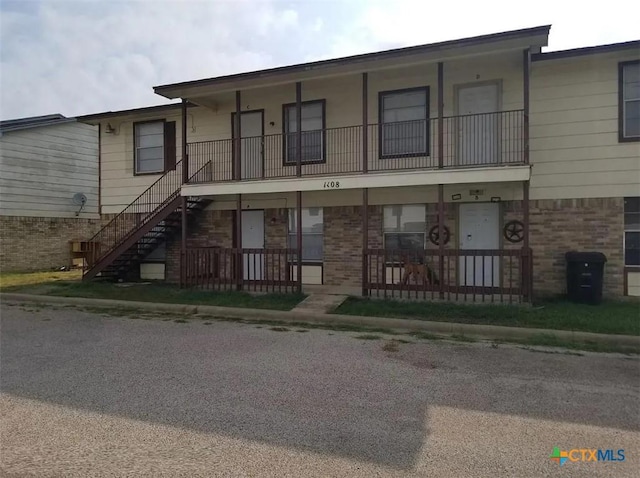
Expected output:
{"points": [[89, 57], [76, 57]]}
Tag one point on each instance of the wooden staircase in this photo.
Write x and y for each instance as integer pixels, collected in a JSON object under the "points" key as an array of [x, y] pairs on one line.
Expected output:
{"points": [[150, 220]]}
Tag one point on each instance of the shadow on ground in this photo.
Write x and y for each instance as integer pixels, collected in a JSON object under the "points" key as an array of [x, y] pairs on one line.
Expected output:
{"points": [[328, 394]]}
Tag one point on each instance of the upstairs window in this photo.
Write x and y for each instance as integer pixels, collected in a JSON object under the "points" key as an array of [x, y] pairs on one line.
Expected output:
{"points": [[404, 123], [313, 121], [632, 231], [154, 147], [629, 101]]}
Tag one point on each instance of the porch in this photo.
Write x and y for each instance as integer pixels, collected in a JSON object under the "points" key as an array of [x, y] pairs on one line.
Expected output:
{"points": [[483, 276]]}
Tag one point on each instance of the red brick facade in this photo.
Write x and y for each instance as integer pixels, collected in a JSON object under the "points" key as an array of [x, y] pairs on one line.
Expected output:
{"points": [[40, 243], [557, 226]]}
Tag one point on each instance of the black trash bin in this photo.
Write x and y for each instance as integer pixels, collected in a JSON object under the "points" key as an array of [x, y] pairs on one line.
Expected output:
{"points": [[585, 274]]}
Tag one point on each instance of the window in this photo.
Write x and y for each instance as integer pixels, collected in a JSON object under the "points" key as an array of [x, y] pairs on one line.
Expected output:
{"points": [[154, 147], [629, 101], [312, 233], [632, 231], [404, 228], [312, 132], [404, 123]]}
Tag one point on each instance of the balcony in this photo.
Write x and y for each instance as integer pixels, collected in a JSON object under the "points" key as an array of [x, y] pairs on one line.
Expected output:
{"points": [[471, 141]]}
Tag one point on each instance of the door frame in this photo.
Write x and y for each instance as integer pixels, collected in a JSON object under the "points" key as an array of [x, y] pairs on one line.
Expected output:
{"points": [[498, 82], [233, 137], [500, 243]]}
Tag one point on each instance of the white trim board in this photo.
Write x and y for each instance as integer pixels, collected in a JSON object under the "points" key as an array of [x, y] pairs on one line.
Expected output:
{"points": [[359, 181]]}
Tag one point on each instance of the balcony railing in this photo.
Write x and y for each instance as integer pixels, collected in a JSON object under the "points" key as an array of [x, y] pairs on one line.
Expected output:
{"points": [[488, 139]]}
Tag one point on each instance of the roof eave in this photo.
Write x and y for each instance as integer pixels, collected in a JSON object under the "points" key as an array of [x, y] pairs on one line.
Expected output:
{"points": [[175, 90]]}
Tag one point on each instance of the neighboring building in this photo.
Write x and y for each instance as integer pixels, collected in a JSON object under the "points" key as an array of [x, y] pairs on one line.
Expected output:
{"points": [[48, 164], [512, 156]]}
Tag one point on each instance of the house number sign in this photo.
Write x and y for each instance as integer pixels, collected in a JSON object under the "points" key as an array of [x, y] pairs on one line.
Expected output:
{"points": [[331, 185]]}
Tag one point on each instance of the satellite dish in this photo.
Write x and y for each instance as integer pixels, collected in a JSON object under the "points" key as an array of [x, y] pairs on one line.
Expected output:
{"points": [[79, 199]]}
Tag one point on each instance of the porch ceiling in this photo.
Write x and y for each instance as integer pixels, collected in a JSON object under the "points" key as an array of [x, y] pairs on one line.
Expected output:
{"points": [[444, 51], [359, 181]]}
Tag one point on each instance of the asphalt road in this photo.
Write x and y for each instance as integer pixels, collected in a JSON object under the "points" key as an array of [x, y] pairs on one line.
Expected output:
{"points": [[85, 394]]}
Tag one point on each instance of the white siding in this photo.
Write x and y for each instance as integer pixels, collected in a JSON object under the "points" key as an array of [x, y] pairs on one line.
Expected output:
{"points": [[575, 150], [42, 168]]}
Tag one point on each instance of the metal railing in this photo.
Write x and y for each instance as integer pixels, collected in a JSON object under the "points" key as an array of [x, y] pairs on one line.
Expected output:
{"points": [[494, 276], [262, 270], [488, 139], [155, 198]]}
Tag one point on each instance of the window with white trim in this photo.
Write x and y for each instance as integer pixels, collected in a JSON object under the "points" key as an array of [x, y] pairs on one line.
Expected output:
{"points": [[149, 147], [404, 228], [312, 136], [629, 98], [404, 123], [632, 231], [312, 233]]}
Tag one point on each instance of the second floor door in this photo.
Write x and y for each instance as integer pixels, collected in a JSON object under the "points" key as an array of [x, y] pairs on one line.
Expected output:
{"points": [[478, 125], [251, 153]]}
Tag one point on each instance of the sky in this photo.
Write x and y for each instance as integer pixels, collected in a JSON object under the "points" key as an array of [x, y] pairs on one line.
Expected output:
{"points": [[78, 57]]}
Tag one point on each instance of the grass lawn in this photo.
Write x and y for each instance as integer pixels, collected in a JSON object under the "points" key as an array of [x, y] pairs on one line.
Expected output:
{"points": [[67, 284], [15, 280], [607, 318]]}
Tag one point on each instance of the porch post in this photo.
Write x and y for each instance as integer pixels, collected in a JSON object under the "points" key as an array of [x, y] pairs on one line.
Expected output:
{"points": [[183, 202], [239, 265], [298, 129], [299, 239], [237, 145], [365, 121], [441, 186], [185, 154], [528, 260], [365, 241], [526, 73], [183, 242]]}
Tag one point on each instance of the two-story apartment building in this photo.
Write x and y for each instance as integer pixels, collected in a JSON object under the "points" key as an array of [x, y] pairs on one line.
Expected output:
{"points": [[461, 170]]}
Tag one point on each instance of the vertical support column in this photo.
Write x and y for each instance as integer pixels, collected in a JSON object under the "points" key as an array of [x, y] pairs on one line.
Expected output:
{"points": [[527, 273], [440, 115], [239, 265], [185, 155], [183, 202], [527, 282], [365, 121], [365, 241], [298, 129], [526, 73], [441, 186], [299, 240], [441, 238], [237, 145], [183, 242]]}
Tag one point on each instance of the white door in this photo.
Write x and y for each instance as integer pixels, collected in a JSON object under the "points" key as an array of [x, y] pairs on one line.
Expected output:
{"points": [[478, 125], [253, 238], [480, 230], [251, 130]]}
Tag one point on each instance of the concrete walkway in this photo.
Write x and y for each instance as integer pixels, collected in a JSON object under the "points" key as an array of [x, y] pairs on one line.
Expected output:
{"points": [[320, 303], [490, 332]]}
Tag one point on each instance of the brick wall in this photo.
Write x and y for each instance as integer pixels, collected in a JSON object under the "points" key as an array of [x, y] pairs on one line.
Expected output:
{"points": [[212, 228], [40, 243], [558, 226]]}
